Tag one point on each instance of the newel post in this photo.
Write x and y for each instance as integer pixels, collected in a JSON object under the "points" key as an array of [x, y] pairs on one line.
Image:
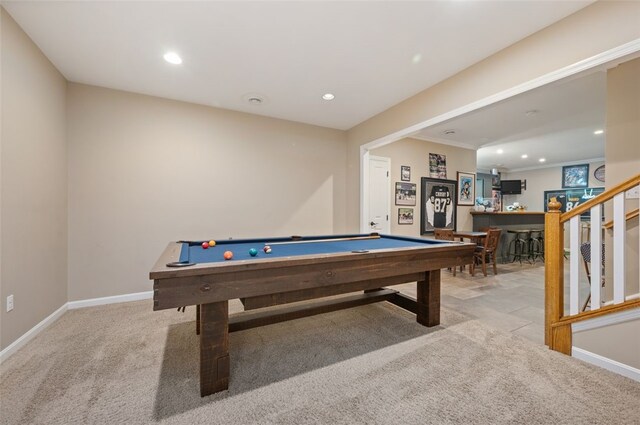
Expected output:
{"points": [[553, 269]]}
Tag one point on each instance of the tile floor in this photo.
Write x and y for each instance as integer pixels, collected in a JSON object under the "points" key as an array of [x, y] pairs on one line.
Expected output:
{"points": [[513, 300]]}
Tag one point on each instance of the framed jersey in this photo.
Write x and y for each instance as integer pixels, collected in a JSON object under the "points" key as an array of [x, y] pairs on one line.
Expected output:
{"points": [[438, 209]]}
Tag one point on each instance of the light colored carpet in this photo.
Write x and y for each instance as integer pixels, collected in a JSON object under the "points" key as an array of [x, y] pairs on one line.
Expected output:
{"points": [[125, 364]]}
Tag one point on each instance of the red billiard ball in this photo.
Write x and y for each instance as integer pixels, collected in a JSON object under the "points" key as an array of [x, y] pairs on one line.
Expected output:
{"points": [[267, 249], [205, 245], [228, 255]]}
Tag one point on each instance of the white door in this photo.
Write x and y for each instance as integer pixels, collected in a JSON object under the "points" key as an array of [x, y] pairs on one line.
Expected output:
{"points": [[379, 195]]}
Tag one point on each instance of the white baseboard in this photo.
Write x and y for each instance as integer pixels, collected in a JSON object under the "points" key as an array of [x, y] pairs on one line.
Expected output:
{"points": [[71, 305], [606, 363], [31, 333], [137, 296]]}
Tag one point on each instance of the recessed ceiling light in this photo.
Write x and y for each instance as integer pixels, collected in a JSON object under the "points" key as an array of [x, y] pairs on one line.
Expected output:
{"points": [[328, 96], [172, 57], [255, 99], [500, 151], [542, 160], [450, 131], [598, 132], [416, 58], [524, 156]]}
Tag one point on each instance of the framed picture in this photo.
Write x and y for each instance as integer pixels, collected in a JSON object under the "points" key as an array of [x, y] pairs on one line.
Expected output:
{"points": [[496, 196], [438, 209], [599, 173], [405, 215], [437, 166], [466, 188], [569, 199], [405, 173], [575, 176], [405, 194]]}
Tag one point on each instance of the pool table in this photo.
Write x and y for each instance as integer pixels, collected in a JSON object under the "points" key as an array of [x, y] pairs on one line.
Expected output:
{"points": [[297, 269]]}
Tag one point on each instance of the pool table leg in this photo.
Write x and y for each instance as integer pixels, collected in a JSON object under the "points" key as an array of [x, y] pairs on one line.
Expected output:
{"points": [[198, 319], [214, 347], [428, 299]]}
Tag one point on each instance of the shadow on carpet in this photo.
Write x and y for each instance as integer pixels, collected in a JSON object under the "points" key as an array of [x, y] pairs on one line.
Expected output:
{"points": [[264, 356]]}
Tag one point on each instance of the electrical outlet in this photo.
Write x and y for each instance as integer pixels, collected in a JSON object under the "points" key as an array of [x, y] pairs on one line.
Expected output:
{"points": [[9, 303]]}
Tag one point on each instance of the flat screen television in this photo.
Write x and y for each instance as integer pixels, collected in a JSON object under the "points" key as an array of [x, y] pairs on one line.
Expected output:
{"points": [[511, 187]]}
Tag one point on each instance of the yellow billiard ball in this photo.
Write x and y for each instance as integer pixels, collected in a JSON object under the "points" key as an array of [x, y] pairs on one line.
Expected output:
{"points": [[212, 243]]}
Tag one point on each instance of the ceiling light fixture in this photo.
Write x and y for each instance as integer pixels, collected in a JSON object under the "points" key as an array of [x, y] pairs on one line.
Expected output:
{"points": [[500, 151], [255, 99], [542, 160], [328, 96], [449, 132], [598, 132], [524, 156], [173, 58]]}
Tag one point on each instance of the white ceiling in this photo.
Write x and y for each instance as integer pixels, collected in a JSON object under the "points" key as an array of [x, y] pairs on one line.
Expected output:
{"points": [[371, 55], [561, 129]]}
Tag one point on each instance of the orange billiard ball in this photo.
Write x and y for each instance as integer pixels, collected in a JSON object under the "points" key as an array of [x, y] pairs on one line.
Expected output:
{"points": [[228, 255]]}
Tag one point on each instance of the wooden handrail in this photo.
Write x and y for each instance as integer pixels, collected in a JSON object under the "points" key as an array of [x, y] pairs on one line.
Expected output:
{"points": [[586, 315], [630, 215], [603, 197]]}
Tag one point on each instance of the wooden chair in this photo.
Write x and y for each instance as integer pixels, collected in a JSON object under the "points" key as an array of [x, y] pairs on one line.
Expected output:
{"points": [[487, 252], [445, 235]]}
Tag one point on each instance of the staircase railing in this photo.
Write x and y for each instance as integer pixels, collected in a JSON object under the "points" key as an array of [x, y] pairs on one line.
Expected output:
{"points": [[558, 335]]}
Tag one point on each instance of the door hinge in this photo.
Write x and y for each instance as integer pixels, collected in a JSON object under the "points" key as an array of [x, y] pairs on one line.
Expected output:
{"points": [[387, 217], [387, 174]]}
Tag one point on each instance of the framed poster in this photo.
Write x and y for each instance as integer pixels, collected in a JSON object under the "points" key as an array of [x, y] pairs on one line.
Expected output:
{"points": [[405, 193], [466, 188], [496, 196], [571, 198], [437, 166], [438, 209], [405, 173], [575, 176], [405, 215]]}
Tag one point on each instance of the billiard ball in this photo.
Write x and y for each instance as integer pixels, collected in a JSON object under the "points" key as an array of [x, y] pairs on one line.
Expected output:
{"points": [[212, 243], [253, 252], [267, 249], [228, 255], [205, 245]]}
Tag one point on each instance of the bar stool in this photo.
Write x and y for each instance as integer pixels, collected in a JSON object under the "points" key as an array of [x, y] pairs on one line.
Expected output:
{"points": [[520, 245], [536, 245]]}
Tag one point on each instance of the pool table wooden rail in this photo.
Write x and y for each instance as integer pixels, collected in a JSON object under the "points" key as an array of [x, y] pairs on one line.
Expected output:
{"points": [[304, 277]]}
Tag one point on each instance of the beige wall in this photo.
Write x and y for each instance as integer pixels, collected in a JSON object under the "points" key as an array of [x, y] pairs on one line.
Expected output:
{"points": [[619, 342], [623, 155], [144, 171], [33, 184], [415, 153], [590, 31], [540, 180], [622, 150]]}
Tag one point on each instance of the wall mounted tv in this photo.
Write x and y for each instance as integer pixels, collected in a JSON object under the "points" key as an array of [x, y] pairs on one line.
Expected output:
{"points": [[511, 187]]}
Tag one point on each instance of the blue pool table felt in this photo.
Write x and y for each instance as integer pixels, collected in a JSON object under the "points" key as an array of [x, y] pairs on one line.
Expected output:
{"points": [[194, 253]]}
